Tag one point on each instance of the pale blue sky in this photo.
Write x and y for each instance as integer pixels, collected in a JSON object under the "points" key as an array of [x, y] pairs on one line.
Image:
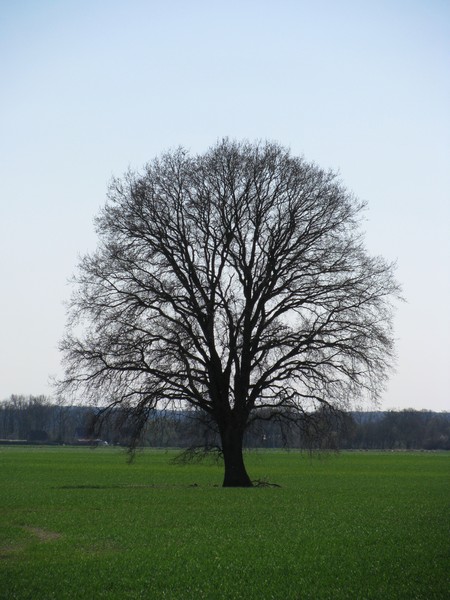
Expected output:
{"points": [[89, 88]]}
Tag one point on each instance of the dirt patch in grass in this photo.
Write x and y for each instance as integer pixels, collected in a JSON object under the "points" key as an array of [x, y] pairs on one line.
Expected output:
{"points": [[12, 550], [43, 535], [9, 550]]}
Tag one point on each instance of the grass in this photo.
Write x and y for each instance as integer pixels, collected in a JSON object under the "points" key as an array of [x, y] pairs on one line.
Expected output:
{"points": [[77, 524]]}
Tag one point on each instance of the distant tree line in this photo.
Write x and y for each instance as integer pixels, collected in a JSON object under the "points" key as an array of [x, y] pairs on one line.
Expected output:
{"points": [[38, 419]]}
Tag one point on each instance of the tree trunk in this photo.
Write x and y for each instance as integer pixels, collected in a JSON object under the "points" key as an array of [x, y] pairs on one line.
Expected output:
{"points": [[235, 472]]}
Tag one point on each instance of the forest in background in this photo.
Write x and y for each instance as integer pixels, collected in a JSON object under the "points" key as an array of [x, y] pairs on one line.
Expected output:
{"points": [[38, 419]]}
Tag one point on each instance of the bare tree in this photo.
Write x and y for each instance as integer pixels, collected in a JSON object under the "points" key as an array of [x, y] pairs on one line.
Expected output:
{"points": [[230, 281]]}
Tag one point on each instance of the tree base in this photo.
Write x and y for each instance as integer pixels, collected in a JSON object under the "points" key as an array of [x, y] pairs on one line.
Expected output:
{"points": [[229, 484], [237, 478]]}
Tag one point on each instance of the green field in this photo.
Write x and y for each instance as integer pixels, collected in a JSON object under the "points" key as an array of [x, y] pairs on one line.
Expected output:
{"points": [[79, 523]]}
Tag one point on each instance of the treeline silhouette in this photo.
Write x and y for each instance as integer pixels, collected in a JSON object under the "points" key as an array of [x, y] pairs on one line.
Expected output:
{"points": [[39, 420]]}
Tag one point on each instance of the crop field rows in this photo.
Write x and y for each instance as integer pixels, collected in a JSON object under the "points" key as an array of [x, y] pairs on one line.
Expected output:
{"points": [[77, 523]]}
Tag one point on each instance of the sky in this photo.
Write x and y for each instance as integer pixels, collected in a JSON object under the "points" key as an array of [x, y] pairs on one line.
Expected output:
{"points": [[92, 88]]}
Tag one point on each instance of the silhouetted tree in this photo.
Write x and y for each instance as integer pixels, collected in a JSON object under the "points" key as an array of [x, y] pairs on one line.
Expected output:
{"points": [[230, 281]]}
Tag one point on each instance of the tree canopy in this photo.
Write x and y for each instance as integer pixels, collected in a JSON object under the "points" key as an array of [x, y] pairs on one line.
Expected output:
{"points": [[231, 281]]}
